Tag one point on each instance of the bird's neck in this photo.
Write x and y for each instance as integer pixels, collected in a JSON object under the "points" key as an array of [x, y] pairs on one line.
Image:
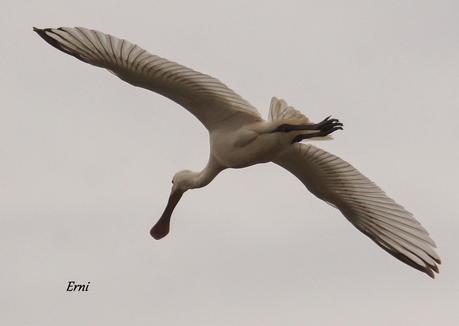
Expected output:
{"points": [[203, 178]]}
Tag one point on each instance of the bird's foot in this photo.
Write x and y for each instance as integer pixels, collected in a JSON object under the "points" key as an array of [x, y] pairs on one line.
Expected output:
{"points": [[327, 126], [323, 128]]}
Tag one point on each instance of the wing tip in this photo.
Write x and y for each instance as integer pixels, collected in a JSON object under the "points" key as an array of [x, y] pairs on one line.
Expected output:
{"points": [[42, 32], [428, 269]]}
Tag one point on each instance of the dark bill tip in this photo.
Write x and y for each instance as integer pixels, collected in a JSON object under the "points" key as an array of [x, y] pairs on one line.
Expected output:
{"points": [[162, 227], [160, 230]]}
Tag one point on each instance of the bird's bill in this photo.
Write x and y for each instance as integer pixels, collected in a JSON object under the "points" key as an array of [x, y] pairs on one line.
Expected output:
{"points": [[161, 228]]}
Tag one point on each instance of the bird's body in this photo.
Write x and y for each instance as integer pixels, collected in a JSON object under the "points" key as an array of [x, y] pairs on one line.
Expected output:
{"points": [[239, 138], [248, 145]]}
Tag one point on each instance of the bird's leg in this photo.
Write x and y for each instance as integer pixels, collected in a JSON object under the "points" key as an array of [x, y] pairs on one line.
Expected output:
{"points": [[322, 127], [285, 127]]}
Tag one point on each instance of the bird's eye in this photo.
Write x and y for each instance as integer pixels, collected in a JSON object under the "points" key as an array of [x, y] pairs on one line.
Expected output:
{"points": [[172, 181]]}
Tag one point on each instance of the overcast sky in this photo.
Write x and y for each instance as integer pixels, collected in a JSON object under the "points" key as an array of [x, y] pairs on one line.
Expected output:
{"points": [[86, 163]]}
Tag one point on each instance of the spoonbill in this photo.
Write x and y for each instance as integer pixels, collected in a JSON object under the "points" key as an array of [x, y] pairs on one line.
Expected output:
{"points": [[240, 137]]}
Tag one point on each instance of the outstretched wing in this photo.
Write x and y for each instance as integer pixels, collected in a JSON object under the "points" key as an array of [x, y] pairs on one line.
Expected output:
{"points": [[212, 102], [363, 203]]}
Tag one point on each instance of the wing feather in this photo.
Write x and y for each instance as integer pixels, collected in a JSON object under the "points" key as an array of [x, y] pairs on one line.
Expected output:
{"points": [[211, 101], [364, 204]]}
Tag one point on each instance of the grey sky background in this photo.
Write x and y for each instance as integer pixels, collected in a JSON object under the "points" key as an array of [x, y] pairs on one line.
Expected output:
{"points": [[86, 163]]}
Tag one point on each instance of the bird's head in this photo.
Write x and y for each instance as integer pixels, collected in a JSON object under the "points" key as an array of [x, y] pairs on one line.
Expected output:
{"points": [[183, 180]]}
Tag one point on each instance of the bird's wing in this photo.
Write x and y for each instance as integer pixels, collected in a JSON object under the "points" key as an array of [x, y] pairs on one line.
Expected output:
{"points": [[212, 102], [363, 203]]}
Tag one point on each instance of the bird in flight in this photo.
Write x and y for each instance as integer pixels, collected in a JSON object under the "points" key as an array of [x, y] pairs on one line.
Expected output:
{"points": [[240, 137]]}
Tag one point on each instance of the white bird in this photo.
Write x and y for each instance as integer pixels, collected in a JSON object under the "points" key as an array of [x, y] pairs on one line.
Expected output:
{"points": [[239, 137]]}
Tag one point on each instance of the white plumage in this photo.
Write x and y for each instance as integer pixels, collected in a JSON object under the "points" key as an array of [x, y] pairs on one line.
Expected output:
{"points": [[239, 137]]}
